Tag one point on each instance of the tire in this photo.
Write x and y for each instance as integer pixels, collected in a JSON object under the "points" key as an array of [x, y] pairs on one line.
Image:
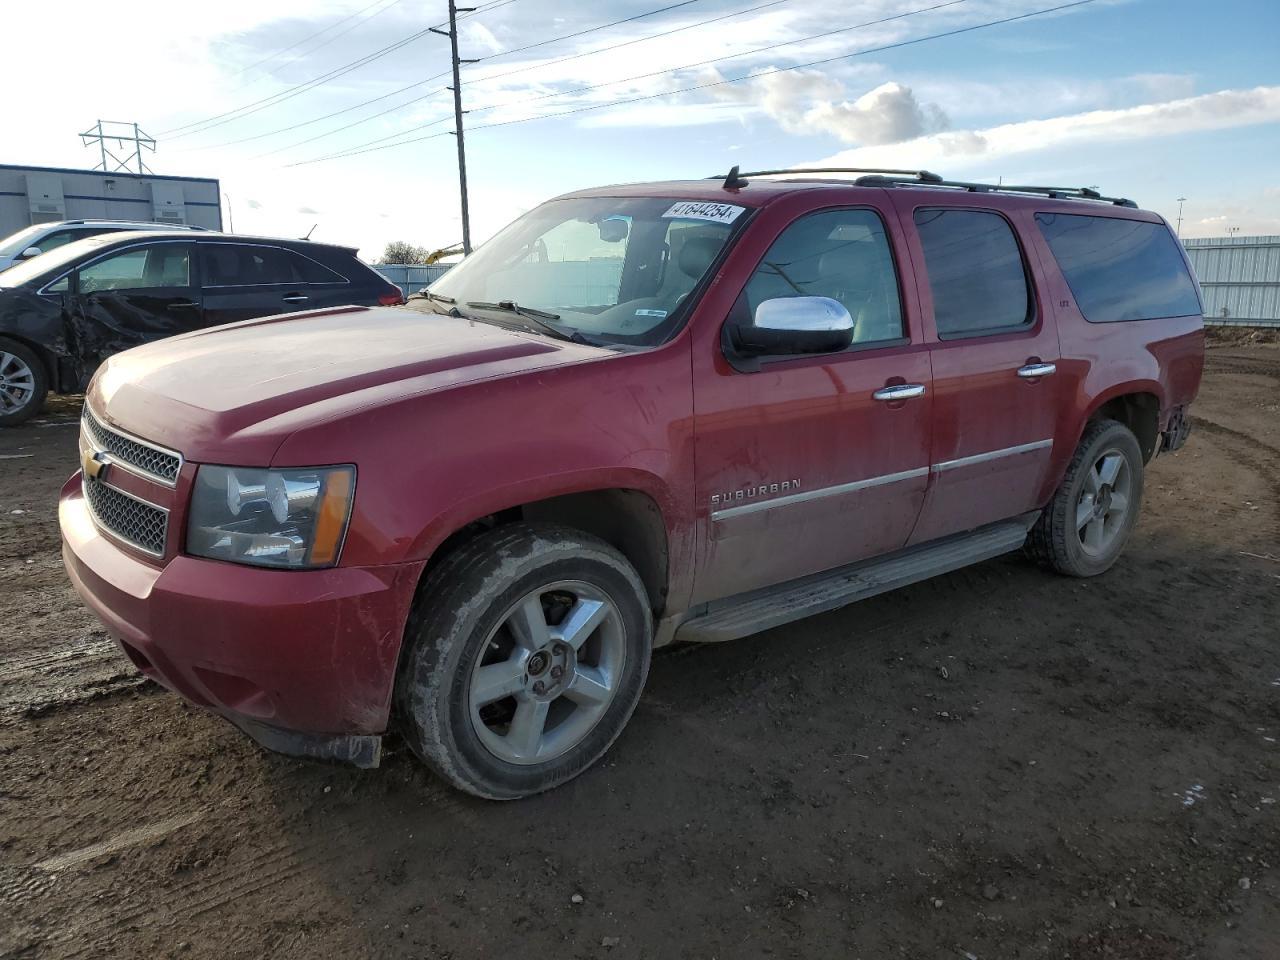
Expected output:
{"points": [[1084, 528], [474, 636], [24, 384]]}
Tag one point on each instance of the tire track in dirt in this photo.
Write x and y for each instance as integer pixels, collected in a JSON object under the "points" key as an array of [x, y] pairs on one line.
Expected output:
{"points": [[101, 924], [1258, 452], [1248, 366], [84, 670]]}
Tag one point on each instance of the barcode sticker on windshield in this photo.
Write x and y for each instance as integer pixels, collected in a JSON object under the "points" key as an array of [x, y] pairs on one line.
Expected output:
{"points": [[699, 210]]}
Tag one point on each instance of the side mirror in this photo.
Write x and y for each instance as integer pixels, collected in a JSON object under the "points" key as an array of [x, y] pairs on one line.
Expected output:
{"points": [[28, 253], [795, 325]]}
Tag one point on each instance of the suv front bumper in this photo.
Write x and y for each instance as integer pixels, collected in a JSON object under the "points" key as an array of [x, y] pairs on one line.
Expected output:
{"points": [[302, 661]]}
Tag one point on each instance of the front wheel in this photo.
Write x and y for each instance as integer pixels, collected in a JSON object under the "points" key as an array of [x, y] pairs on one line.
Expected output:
{"points": [[527, 651], [1083, 530], [23, 384]]}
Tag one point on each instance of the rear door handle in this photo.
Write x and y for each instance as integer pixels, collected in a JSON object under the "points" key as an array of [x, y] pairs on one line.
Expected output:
{"points": [[295, 298], [1033, 371], [901, 391]]}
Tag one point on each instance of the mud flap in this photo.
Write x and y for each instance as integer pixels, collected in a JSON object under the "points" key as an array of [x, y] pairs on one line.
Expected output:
{"points": [[1175, 434], [359, 751]]}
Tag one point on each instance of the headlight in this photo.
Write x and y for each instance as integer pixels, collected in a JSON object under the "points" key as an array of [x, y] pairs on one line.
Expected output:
{"points": [[272, 518]]}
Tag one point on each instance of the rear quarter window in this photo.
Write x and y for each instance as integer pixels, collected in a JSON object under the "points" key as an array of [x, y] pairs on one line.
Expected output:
{"points": [[1120, 269]]}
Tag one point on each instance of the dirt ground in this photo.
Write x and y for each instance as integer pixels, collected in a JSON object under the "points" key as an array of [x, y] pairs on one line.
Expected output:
{"points": [[999, 763]]}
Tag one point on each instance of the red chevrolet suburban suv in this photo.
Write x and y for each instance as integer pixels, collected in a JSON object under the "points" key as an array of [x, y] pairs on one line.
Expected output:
{"points": [[682, 411]]}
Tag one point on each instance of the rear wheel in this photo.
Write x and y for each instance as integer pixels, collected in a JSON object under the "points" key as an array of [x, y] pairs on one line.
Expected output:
{"points": [[1083, 530], [528, 649], [23, 384]]}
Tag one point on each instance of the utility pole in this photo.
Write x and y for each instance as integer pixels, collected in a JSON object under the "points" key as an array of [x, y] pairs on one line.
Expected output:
{"points": [[1181, 201], [1232, 231], [452, 34]]}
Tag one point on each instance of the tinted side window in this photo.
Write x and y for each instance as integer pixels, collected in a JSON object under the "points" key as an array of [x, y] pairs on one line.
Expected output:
{"points": [[975, 271], [230, 265], [58, 238], [841, 254], [140, 268], [308, 271], [1120, 269]]}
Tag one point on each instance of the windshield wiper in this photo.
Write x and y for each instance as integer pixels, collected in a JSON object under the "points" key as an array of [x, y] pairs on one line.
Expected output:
{"points": [[538, 319], [449, 302]]}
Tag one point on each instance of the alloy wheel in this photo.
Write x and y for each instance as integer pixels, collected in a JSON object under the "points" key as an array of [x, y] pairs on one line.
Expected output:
{"points": [[547, 673], [1104, 503], [17, 383]]}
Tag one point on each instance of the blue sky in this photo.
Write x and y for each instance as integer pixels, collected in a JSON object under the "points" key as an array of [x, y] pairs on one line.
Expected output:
{"points": [[1153, 99]]}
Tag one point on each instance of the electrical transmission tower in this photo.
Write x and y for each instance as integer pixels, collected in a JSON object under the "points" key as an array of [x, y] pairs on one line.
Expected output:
{"points": [[122, 133], [452, 34]]}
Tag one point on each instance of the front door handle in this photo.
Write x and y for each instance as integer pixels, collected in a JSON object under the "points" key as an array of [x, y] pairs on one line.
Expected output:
{"points": [[1033, 371], [295, 298], [900, 391], [183, 305]]}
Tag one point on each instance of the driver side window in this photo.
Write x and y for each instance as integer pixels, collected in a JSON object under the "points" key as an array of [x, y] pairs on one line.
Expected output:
{"points": [[140, 268], [840, 254]]}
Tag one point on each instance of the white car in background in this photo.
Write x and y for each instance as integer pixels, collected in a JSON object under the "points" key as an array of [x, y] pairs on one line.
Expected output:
{"points": [[43, 237]]}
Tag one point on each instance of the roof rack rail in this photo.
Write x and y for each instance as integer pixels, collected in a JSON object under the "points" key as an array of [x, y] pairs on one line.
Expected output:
{"points": [[1055, 193], [735, 179]]}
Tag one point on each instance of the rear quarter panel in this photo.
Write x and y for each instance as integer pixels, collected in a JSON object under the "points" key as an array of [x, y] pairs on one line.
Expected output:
{"points": [[1101, 361]]}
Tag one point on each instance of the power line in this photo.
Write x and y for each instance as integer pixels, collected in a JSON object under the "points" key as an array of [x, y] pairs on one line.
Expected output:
{"points": [[626, 43], [575, 56], [723, 82], [356, 123], [209, 123], [341, 33], [729, 56], [311, 36], [492, 56], [744, 53], [250, 108]]}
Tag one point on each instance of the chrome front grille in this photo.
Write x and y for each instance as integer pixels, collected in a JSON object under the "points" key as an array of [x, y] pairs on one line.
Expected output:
{"points": [[143, 525], [132, 453]]}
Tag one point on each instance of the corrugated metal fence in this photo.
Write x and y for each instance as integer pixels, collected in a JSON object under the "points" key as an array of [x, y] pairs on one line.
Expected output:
{"points": [[1240, 277], [412, 277]]}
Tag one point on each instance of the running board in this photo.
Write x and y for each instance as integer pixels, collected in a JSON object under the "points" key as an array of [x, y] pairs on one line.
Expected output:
{"points": [[774, 606]]}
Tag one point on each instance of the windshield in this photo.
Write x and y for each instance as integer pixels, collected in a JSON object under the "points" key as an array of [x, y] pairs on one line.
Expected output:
{"points": [[49, 265], [15, 243], [614, 268]]}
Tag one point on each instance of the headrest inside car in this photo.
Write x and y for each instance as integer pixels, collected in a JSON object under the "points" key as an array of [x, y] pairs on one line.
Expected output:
{"points": [[696, 254]]}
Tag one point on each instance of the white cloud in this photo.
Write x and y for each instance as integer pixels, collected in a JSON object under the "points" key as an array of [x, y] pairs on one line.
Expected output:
{"points": [[888, 114], [1213, 111], [808, 102]]}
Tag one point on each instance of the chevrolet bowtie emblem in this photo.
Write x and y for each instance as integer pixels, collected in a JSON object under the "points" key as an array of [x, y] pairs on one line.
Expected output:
{"points": [[95, 464]]}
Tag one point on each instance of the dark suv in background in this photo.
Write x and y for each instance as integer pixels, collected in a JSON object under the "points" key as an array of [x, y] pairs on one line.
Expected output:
{"points": [[64, 312]]}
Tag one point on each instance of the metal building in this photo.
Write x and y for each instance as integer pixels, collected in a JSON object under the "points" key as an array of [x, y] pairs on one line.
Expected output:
{"points": [[45, 194], [1240, 277]]}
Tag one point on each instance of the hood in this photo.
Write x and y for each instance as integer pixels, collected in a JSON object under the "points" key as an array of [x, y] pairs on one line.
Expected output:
{"points": [[232, 394]]}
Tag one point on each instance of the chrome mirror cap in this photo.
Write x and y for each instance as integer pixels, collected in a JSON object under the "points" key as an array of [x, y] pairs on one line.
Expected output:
{"points": [[803, 314], [796, 325]]}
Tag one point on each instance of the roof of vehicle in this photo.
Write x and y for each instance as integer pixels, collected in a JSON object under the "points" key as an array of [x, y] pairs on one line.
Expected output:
{"points": [[146, 224], [126, 236], [763, 187]]}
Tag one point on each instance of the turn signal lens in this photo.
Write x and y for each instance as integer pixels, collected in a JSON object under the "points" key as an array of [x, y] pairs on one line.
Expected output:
{"points": [[331, 519]]}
